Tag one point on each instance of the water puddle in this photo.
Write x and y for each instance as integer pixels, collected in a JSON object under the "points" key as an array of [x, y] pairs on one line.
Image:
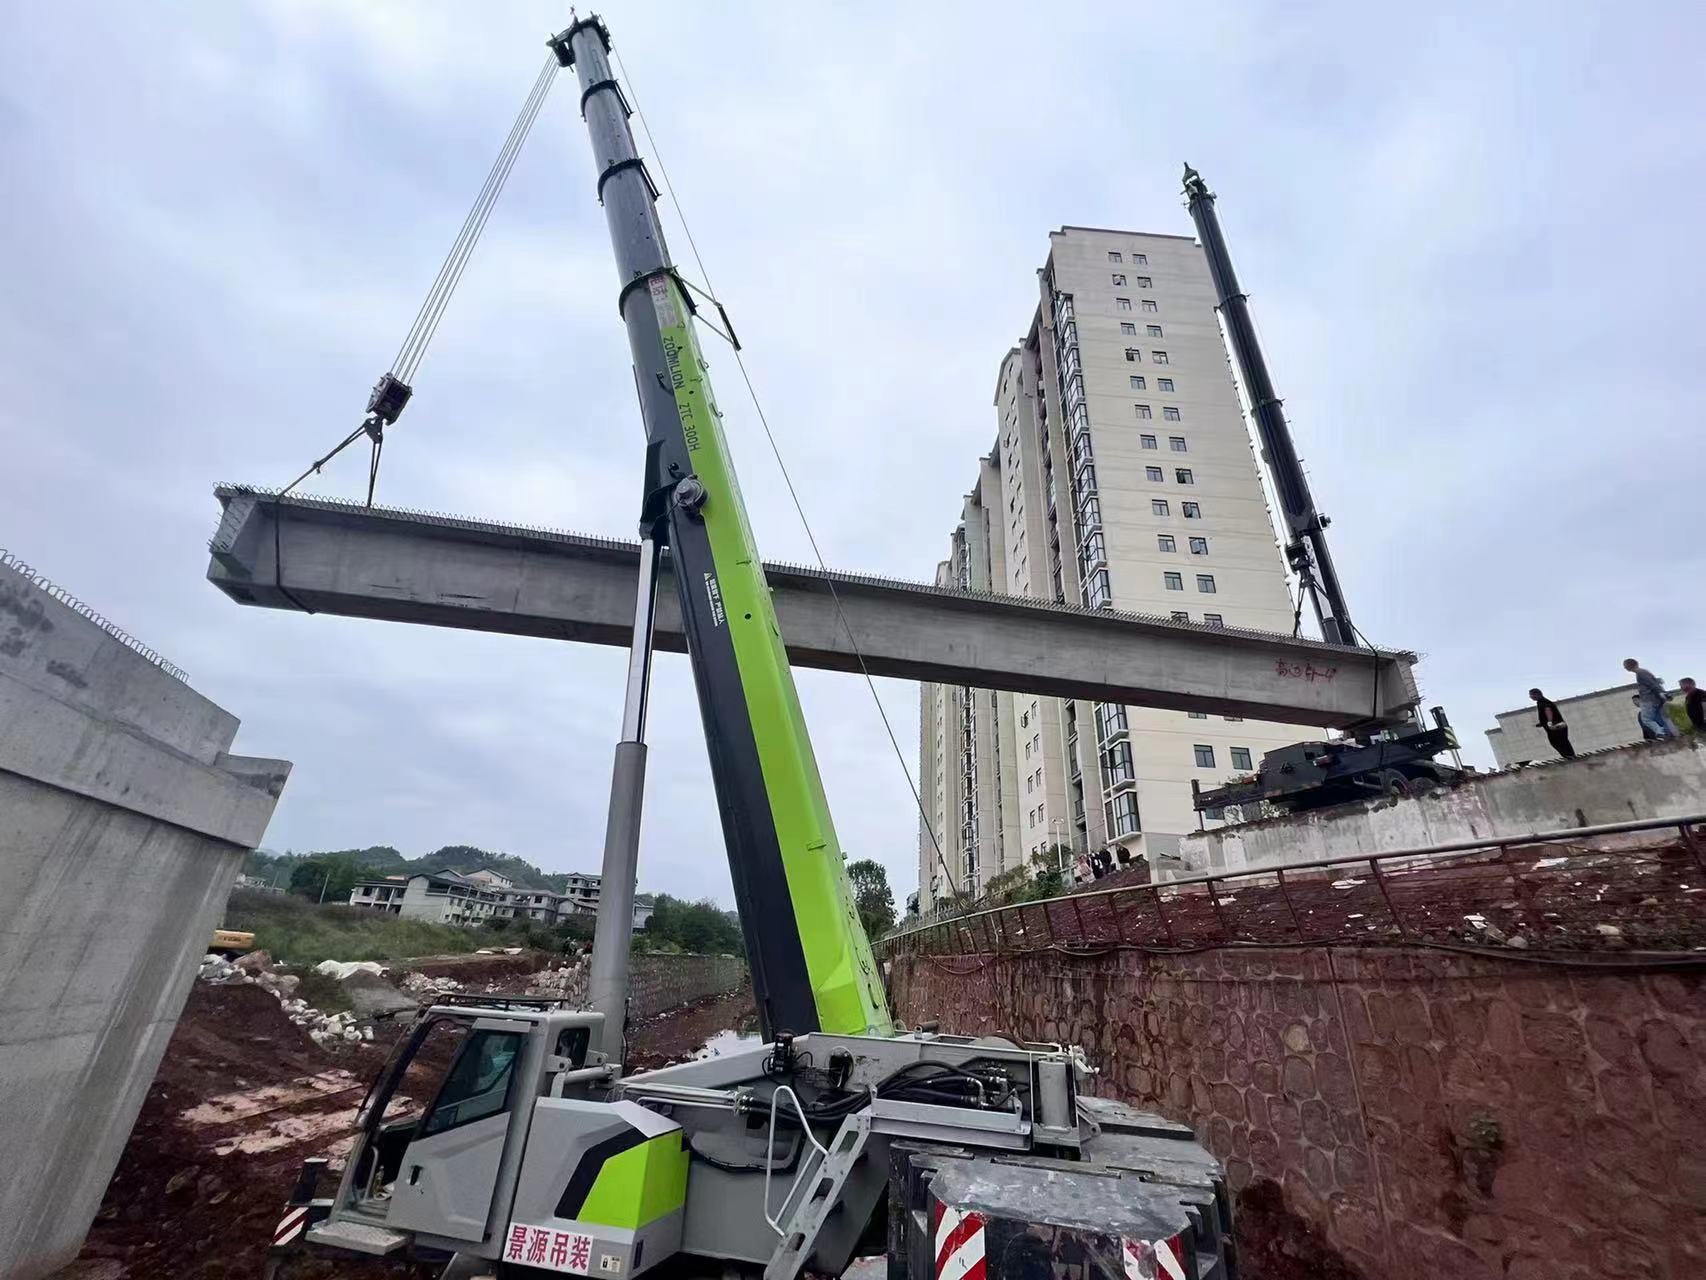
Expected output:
{"points": [[724, 1042]]}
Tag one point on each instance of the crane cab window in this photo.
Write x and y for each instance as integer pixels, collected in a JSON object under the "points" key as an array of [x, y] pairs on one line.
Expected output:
{"points": [[478, 1084]]}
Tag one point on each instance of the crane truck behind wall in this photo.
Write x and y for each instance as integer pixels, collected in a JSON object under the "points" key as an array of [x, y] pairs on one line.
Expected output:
{"points": [[1304, 775]]}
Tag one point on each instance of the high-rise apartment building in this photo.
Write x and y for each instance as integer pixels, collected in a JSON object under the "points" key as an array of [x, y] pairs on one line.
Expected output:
{"points": [[1122, 477]]}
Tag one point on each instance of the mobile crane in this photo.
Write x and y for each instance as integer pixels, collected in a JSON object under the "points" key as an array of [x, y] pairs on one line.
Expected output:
{"points": [[1305, 775], [960, 1158]]}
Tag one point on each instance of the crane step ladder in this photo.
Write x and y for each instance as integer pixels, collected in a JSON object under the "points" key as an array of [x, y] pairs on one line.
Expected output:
{"points": [[815, 1192], [378, 1242]]}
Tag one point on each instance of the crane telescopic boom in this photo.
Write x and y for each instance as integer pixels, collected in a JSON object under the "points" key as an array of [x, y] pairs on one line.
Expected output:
{"points": [[1305, 527], [812, 967]]}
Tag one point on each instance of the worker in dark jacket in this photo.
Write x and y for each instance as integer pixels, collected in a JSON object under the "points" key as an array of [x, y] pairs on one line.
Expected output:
{"points": [[1694, 702], [1552, 723]]}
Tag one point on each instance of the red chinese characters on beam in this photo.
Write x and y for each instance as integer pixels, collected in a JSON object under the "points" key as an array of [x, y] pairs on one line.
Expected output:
{"points": [[1303, 671]]}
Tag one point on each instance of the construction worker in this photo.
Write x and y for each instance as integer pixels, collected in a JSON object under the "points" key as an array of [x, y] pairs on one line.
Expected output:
{"points": [[1694, 703], [1650, 694], [1552, 723]]}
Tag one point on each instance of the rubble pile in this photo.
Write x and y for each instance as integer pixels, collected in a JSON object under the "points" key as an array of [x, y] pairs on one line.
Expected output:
{"points": [[419, 984], [255, 969], [565, 983]]}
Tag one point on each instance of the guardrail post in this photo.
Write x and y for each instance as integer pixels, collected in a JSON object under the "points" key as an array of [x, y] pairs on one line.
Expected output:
{"points": [[1403, 929], [1692, 842], [1161, 911], [1219, 912], [1519, 887], [1296, 920]]}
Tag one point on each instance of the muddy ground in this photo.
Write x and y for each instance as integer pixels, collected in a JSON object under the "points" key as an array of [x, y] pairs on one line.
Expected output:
{"points": [[243, 1096]]}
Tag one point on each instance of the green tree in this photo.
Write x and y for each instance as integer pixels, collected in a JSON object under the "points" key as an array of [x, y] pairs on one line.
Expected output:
{"points": [[871, 894], [328, 878], [700, 927]]}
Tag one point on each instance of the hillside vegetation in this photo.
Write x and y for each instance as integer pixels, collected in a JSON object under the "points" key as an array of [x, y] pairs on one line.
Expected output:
{"points": [[341, 868], [298, 931]]}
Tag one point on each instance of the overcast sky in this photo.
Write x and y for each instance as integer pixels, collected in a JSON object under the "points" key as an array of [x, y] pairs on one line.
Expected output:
{"points": [[1471, 234]]}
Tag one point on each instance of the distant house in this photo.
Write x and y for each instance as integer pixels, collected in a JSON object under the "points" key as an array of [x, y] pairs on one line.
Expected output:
{"points": [[442, 897], [451, 897], [380, 895], [535, 904]]}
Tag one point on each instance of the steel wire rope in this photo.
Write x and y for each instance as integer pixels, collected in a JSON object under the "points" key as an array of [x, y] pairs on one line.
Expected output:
{"points": [[455, 263], [427, 319], [787, 479]]}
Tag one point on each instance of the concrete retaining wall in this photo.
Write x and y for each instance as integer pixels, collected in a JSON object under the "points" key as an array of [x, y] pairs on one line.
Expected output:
{"points": [[657, 983], [123, 822], [1643, 780], [1391, 1115]]}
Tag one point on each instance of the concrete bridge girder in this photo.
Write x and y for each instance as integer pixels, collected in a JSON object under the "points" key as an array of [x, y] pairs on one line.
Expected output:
{"points": [[347, 560]]}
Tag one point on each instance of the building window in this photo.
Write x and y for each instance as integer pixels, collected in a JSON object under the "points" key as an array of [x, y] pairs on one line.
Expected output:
{"points": [[1024, 719], [1100, 593], [1158, 507], [1144, 282], [1173, 581], [1116, 763], [1241, 758], [1205, 755], [1165, 542], [1137, 382], [1176, 443], [1233, 719], [1159, 357], [1214, 620], [1197, 715], [1133, 355], [1179, 615], [1199, 546], [1118, 278], [1148, 441], [1142, 411], [1027, 749], [1154, 331], [1153, 473], [1124, 304], [1029, 785], [1123, 814], [1166, 384], [1140, 259], [1114, 256], [1128, 329], [1192, 511], [1205, 583], [1171, 413], [1184, 475], [1149, 305]]}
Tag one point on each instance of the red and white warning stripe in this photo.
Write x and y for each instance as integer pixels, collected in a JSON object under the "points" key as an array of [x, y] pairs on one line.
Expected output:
{"points": [[959, 1243], [1155, 1260], [293, 1224]]}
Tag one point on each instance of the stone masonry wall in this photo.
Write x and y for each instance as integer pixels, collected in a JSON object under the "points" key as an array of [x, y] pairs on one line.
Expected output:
{"points": [[660, 982], [1422, 1114]]}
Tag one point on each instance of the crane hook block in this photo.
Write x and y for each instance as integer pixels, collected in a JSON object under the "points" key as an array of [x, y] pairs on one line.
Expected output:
{"points": [[390, 395]]}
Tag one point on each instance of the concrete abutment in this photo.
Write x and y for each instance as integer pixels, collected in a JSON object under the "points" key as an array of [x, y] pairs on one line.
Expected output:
{"points": [[123, 822]]}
